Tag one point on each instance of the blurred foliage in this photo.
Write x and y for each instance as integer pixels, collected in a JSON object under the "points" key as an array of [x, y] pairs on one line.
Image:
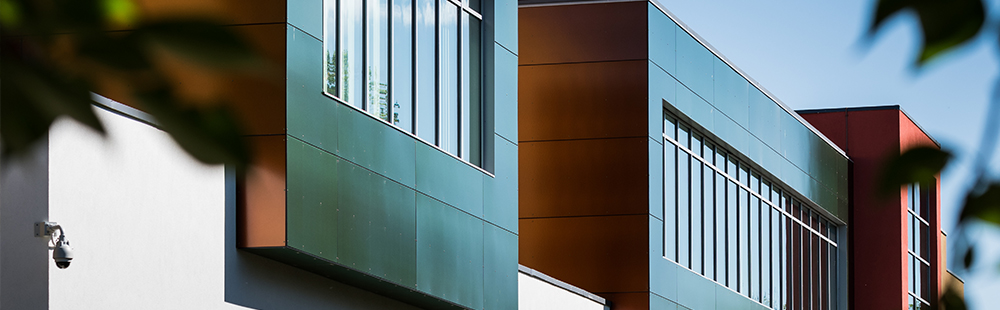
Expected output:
{"points": [[55, 53], [947, 25]]}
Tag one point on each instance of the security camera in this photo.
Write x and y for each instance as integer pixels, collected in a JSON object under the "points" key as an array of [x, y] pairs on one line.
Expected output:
{"points": [[62, 253]]}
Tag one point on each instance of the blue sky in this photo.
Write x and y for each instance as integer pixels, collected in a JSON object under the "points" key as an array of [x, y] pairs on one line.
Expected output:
{"points": [[814, 54]]}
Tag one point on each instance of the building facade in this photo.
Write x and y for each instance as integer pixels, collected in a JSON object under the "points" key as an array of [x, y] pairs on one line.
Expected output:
{"points": [[476, 154]]}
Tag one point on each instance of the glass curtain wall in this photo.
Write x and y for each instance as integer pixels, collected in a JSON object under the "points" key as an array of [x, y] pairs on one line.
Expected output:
{"points": [[728, 223], [415, 64], [918, 244]]}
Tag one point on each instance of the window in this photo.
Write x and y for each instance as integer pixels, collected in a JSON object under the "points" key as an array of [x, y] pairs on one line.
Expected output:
{"points": [[415, 64], [918, 244], [726, 221]]}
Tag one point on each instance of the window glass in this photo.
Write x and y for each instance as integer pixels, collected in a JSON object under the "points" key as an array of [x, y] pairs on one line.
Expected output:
{"points": [[732, 228], [426, 71], [683, 210], [753, 258], [448, 93], [744, 244], [670, 173], [377, 101], [331, 48], [708, 220], [351, 52], [696, 215], [720, 228], [402, 64], [470, 109]]}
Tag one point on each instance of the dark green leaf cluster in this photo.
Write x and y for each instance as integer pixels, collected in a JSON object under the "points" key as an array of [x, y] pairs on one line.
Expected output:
{"points": [[54, 53]]}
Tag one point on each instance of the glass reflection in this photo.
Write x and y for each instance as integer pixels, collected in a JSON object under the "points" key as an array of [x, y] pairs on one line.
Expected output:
{"points": [[448, 89], [426, 71], [402, 64]]}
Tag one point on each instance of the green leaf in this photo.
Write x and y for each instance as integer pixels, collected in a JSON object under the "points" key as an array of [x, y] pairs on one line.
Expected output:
{"points": [[920, 164], [945, 24], [952, 300], [119, 52], [984, 205], [203, 42], [210, 133], [968, 257]]}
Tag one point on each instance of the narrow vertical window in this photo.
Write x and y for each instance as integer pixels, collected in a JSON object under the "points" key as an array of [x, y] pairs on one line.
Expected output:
{"points": [[426, 78], [471, 121], [402, 64], [352, 79], [331, 47], [448, 70], [377, 62]]}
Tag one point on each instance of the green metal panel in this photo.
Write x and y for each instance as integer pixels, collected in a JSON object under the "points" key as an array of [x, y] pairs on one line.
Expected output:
{"points": [[729, 300], [662, 88], [311, 116], [376, 225], [312, 199], [660, 303], [694, 66], [500, 264], [375, 145], [662, 42], [447, 179], [662, 272], [505, 23], [307, 15], [506, 94], [696, 292], [500, 193], [449, 253], [656, 179]]}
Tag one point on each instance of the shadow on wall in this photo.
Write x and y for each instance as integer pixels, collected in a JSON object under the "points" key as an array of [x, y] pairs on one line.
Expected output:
{"points": [[261, 283]]}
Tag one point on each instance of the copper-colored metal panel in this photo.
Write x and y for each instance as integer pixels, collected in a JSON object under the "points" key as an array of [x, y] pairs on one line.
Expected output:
{"points": [[226, 11], [258, 97], [586, 100], [261, 195], [628, 301], [583, 32], [583, 177], [604, 254]]}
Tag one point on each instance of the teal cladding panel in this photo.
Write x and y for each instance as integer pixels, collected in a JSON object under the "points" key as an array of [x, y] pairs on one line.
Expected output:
{"points": [[662, 40], [696, 292], [376, 225], [694, 66], [714, 96], [307, 15], [376, 145], [656, 178], [506, 24], [447, 179], [727, 299], [506, 94], [311, 116], [449, 253], [500, 269], [660, 303], [662, 89], [662, 272], [500, 193], [312, 200]]}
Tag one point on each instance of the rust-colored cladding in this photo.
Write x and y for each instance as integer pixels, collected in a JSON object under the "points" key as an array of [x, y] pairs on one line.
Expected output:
{"points": [[600, 254], [261, 195], [583, 33], [583, 178], [582, 100], [584, 147]]}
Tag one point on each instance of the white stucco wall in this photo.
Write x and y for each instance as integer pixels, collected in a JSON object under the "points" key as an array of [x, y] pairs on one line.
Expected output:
{"points": [[154, 229], [535, 294], [146, 220]]}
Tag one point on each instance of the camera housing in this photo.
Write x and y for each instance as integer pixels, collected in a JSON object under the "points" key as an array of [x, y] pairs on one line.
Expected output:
{"points": [[62, 254]]}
